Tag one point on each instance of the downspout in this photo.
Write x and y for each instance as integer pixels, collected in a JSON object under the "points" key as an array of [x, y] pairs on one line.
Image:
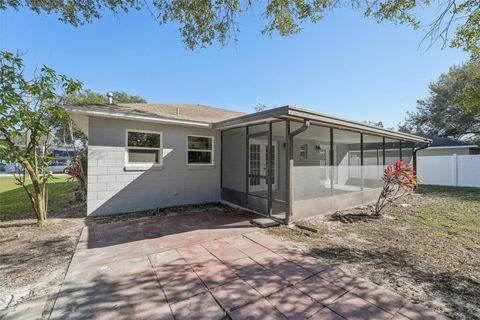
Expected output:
{"points": [[415, 156], [291, 135]]}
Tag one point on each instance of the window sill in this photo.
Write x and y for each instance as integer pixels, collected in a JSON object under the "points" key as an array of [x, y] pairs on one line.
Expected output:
{"points": [[200, 166], [132, 167]]}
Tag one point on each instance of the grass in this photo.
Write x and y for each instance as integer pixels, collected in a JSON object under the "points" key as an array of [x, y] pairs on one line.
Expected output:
{"points": [[15, 204], [426, 250]]}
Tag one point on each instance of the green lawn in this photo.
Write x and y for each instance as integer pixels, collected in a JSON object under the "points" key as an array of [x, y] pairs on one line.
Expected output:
{"points": [[15, 204], [426, 248]]}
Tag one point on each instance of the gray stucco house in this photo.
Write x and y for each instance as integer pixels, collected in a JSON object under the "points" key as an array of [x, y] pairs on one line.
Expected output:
{"points": [[286, 163], [440, 146]]}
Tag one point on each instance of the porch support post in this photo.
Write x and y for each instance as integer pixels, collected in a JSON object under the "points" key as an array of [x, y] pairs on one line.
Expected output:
{"points": [[383, 148], [288, 169], [221, 161], [361, 162], [400, 144], [270, 176], [332, 159], [246, 165]]}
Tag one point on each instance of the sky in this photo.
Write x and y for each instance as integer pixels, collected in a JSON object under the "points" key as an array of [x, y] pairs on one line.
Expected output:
{"points": [[346, 65]]}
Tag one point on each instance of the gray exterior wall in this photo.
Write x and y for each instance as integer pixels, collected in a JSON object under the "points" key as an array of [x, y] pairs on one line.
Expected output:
{"points": [[443, 152], [114, 189]]}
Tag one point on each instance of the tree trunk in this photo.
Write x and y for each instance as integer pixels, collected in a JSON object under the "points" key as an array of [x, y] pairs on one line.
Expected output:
{"points": [[38, 197], [40, 209]]}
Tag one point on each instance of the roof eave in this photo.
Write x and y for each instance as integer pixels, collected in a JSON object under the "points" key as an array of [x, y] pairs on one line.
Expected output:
{"points": [[251, 118], [293, 112], [122, 115]]}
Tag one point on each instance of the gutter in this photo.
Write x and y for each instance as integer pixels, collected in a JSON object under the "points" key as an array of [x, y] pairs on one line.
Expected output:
{"points": [[289, 167], [455, 147], [415, 150]]}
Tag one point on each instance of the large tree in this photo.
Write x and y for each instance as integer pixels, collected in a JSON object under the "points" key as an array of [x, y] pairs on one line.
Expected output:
{"points": [[30, 108], [203, 22], [448, 111], [468, 95]]}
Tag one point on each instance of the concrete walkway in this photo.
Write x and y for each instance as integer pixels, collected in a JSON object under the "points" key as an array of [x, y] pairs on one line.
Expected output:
{"points": [[212, 265]]}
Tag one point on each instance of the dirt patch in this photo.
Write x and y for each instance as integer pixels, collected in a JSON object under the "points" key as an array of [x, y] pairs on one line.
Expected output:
{"points": [[426, 248], [169, 211], [35, 259]]}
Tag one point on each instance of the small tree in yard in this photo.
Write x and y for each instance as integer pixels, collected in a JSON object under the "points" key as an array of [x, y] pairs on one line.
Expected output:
{"points": [[30, 109], [398, 180]]}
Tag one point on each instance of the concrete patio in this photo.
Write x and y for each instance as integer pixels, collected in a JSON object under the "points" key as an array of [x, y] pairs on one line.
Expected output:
{"points": [[212, 265]]}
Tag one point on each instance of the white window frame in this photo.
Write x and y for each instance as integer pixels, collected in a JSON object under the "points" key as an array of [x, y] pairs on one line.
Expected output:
{"points": [[139, 164], [212, 158]]}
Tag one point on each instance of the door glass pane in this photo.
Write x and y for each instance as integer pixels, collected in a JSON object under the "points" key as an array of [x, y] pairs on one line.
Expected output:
{"points": [[272, 155], [254, 164]]}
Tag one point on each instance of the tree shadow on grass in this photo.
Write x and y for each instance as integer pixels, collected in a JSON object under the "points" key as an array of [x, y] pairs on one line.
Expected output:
{"points": [[460, 293]]}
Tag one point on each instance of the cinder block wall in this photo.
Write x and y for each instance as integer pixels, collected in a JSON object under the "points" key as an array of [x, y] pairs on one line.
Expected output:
{"points": [[112, 188]]}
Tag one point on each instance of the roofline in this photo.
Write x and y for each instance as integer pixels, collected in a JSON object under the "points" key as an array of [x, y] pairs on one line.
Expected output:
{"points": [[454, 147], [280, 113], [295, 113], [131, 116]]}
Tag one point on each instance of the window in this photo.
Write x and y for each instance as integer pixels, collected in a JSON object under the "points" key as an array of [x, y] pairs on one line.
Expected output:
{"points": [[199, 150], [304, 151], [143, 147]]}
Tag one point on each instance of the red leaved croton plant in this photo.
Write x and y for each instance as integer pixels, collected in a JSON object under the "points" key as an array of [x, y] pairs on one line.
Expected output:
{"points": [[398, 180]]}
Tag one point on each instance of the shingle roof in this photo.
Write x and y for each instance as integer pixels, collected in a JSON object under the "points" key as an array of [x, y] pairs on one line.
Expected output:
{"points": [[443, 142], [188, 112]]}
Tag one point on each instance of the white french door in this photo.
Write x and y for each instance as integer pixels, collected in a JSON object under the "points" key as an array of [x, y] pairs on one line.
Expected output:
{"points": [[258, 165]]}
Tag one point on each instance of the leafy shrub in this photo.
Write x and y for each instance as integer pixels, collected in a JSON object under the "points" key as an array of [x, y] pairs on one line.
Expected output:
{"points": [[398, 180]]}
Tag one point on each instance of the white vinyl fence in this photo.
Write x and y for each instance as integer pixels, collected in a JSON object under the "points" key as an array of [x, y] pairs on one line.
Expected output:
{"points": [[462, 171]]}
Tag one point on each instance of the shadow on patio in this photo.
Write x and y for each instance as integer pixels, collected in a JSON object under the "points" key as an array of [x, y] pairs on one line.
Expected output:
{"points": [[157, 227], [123, 296]]}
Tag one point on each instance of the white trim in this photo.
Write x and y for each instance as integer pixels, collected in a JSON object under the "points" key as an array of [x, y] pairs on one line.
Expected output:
{"points": [[212, 158], [143, 164], [127, 116], [453, 147]]}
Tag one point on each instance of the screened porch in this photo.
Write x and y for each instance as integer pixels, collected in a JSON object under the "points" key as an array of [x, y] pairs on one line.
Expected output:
{"points": [[288, 169]]}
